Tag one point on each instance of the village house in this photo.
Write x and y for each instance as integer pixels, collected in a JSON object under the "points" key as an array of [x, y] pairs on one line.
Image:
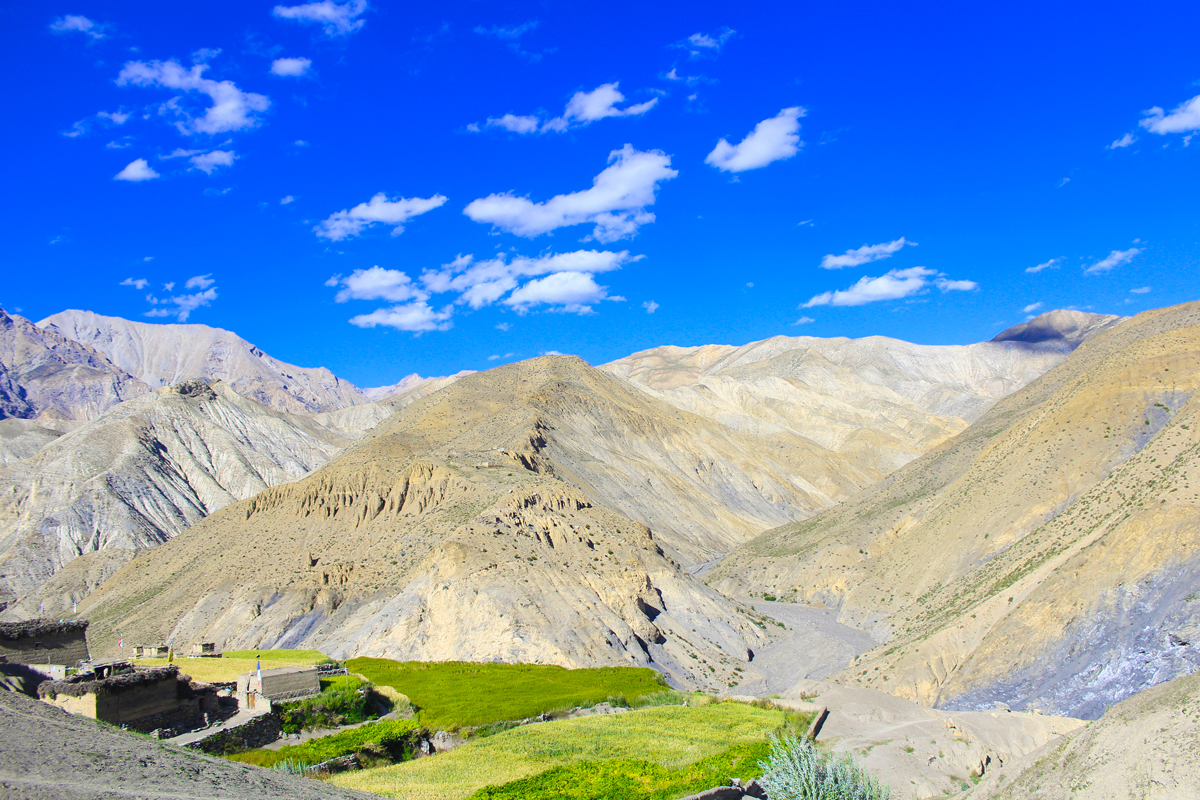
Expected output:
{"points": [[142, 700], [46, 645]]}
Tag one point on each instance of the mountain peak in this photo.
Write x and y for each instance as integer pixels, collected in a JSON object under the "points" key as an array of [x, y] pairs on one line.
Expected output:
{"points": [[1060, 325]]}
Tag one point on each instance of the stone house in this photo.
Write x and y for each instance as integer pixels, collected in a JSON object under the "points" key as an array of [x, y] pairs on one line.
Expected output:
{"points": [[142, 700], [281, 683], [42, 642]]}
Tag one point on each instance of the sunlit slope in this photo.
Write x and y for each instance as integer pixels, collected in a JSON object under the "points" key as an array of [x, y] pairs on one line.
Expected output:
{"points": [[425, 541], [1044, 557]]}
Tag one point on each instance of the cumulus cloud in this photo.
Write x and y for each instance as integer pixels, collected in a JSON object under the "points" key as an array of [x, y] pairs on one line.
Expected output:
{"points": [[865, 254], [650, 306], [335, 19], [137, 283], [706, 44], [771, 140], [347, 223], [582, 109], [1029, 309], [1053, 263], [199, 281], [1124, 141], [185, 304], [115, 117], [290, 67], [482, 283], [1183, 118], [231, 109], [137, 170], [288, 199], [1114, 259], [894, 285], [377, 283], [213, 159], [416, 317], [804, 321], [503, 326], [615, 204], [570, 292], [1140, 290], [74, 22]]}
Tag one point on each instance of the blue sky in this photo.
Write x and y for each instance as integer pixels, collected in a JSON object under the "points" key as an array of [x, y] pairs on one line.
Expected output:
{"points": [[386, 188]]}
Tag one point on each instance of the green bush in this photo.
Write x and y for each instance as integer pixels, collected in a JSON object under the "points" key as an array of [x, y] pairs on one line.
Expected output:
{"points": [[342, 701], [377, 743], [454, 694], [623, 779], [796, 770]]}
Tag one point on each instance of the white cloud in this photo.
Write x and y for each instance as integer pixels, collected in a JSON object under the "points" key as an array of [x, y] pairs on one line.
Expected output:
{"points": [[503, 326], [947, 285], [115, 117], [572, 292], [1053, 263], [582, 109], [482, 283], [615, 204], [335, 19], [211, 160], [1140, 290], [706, 44], [377, 283], [416, 317], [137, 170], [1029, 309], [148, 258], [1114, 259], [1183, 118], [514, 124], [286, 200], [493, 358], [894, 285], [137, 283], [804, 321], [1124, 141], [179, 152], [119, 144], [345, 224], [169, 286], [772, 139], [75, 22], [199, 281], [650, 306], [865, 254], [232, 109], [551, 353], [184, 304], [1063, 182], [290, 67]]}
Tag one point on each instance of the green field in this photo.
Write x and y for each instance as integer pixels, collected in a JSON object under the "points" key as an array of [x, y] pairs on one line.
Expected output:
{"points": [[234, 663], [453, 694], [392, 740], [673, 737]]}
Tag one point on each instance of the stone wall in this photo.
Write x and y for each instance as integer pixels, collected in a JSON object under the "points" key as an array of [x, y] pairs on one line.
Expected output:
{"points": [[257, 732], [282, 682], [44, 641]]}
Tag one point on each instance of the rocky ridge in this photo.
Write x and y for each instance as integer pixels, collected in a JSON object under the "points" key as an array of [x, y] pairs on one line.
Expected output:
{"points": [[1044, 558]]}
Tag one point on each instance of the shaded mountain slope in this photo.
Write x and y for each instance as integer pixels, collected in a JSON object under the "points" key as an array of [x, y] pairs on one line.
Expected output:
{"points": [[1045, 557], [150, 467], [43, 373], [446, 533], [166, 354]]}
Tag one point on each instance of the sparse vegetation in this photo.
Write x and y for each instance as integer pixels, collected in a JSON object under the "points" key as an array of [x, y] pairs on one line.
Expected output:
{"points": [[456, 694], [376, 743], [343, 700], [796, 770], [238, 662]]}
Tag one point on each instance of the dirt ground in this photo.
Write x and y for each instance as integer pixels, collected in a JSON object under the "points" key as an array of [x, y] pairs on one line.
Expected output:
{"points": [[48, 754]]}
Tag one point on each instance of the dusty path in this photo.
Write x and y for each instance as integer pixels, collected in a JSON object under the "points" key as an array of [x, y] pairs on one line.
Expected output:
{"points": [[816, 646]]}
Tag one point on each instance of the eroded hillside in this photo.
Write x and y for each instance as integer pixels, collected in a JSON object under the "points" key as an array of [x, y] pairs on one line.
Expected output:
{"points": [[1046, 557]]}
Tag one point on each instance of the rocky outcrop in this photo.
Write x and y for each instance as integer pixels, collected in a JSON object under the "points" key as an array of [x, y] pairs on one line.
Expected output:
{"points": [[144, 471], [164, 355], [45, 374], [1044, 558]]}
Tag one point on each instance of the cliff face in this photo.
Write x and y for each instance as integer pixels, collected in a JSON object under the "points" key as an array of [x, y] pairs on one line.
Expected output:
{"points": [[1045, 557], [45, 374], [164, 355], [148, 468]]}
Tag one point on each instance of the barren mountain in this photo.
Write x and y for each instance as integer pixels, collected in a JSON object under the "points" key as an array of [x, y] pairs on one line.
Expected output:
{"points": [[880, 402], [164, 355], [150, 467], [44, 374], [1045, 557], [454, 531]]}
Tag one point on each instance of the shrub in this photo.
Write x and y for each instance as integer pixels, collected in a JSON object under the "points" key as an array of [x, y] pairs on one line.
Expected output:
{"points": [[796, 770], [342, 701]]}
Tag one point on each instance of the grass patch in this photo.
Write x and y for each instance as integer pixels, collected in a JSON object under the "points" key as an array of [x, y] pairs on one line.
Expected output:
{"points": [[673, 737], [376, 743], [454, 694], [343, 701], [634, 780], [237, 662]]}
